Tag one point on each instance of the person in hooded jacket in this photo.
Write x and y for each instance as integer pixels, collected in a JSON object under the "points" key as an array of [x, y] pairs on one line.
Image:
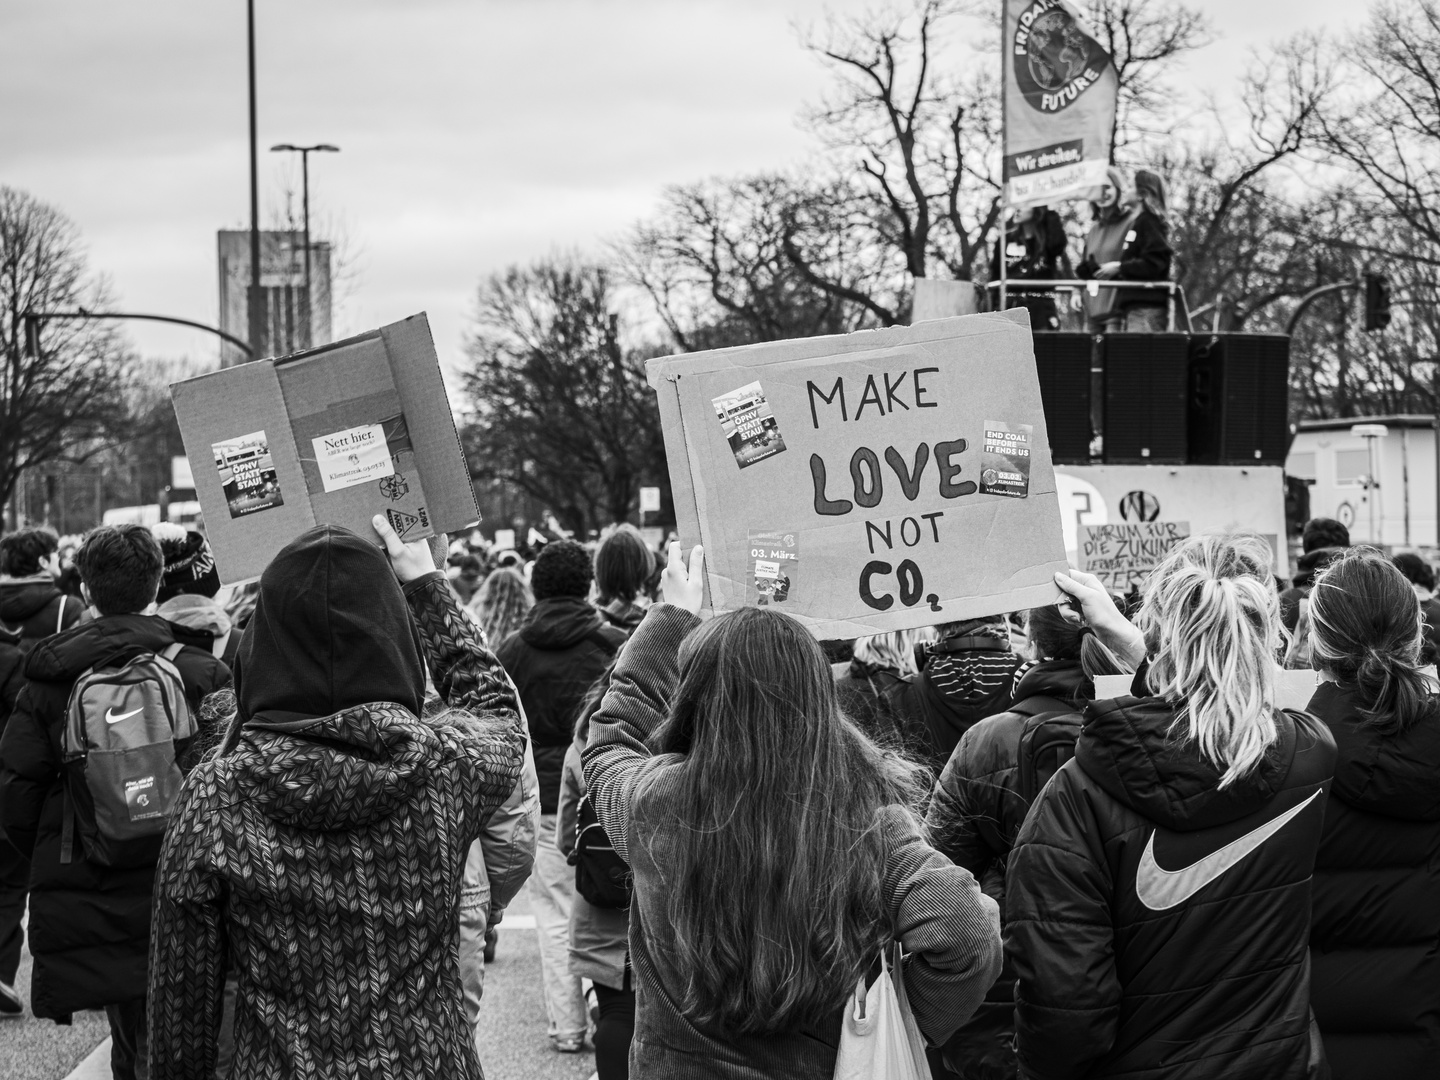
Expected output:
{"points": [[14, 867], [1157, 903], [90, 924], [1112, 218], [554, 658], [979, 805], [1321, 541], [1375, 938], [321, 850], [969, 674], [31, 603]]}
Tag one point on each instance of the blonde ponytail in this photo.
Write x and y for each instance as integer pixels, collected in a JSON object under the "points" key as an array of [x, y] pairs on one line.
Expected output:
{"points": [[1210, 617]]}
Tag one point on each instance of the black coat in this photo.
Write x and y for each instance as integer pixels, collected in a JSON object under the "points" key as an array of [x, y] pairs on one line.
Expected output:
{"points": [[12, 673], [35, 608], [960, 685], [554, 659], [886, 705], [1375, 940], [977, 809], [1031, 253], [1159, 925], [89, 924]]}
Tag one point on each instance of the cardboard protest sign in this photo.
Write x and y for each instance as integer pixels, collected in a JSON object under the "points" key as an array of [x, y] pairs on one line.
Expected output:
{"points": [[333, 435], [1122, 555], [870, 482], [1211, 498]]}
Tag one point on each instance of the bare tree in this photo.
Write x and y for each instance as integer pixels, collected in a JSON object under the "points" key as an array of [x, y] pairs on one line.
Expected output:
{"points": [[1233, 235], [728, 262], [1145, 38], [558, 407], [1387, 126], [63, 398], [926, 144]]}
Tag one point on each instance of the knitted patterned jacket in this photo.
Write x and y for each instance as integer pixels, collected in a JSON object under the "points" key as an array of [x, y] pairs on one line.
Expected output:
{"points": [[950, 930], [328, 864]]}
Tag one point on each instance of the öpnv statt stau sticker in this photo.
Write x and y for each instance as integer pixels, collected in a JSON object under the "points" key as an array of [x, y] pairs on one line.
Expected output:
{"points": [[749, 424], [776, 558], [1005, 459], [247, 474]]}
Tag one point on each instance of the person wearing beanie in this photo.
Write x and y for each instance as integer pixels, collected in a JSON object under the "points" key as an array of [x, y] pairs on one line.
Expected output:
{"points": [[1320, 543], [189, 564], [561, 649]]}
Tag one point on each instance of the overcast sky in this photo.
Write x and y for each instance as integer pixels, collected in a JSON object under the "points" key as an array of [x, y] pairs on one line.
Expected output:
{"points": [[474, 133]]}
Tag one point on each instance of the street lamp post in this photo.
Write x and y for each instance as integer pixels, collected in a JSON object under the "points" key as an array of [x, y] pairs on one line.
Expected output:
{"points": [[305, 152], [1371, 432]]}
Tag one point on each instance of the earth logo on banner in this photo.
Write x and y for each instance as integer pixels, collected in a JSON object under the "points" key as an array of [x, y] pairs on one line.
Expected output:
{"points": [[1056, 58]]}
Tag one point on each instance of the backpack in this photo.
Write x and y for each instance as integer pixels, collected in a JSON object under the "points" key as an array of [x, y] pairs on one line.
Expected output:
{"points": [[601, 876], [117, 745], [1047, 741]]}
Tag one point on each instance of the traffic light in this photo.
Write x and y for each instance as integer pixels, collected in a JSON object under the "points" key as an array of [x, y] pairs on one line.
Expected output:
{"points": [[1377, 301]]}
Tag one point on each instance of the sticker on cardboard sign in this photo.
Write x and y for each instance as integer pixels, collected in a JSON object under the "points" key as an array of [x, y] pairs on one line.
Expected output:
{"points": [[402, 522], [247, 474], [353, 456], [776, 558], [1005, 459], [749, 424]]}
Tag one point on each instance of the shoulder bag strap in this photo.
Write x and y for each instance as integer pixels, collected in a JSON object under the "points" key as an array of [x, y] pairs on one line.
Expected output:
{"points": [[60, 616]]}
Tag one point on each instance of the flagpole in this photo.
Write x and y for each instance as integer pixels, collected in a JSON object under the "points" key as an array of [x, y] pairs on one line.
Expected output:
{"points": [[1001, 246]]}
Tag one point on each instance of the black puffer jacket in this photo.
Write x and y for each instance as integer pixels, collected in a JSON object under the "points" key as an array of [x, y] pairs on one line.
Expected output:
{"points": [[1375, 940], [35, 608], [553, 659], [89, 924], [12, 673], [1159, 925], [975, 813], [886, 705]]}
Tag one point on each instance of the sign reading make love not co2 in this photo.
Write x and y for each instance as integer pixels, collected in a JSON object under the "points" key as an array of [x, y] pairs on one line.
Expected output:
{"points": [[870, 482]]}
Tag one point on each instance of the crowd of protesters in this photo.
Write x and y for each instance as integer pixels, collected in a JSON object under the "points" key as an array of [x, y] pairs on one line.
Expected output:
{"points": [[724, 824]]}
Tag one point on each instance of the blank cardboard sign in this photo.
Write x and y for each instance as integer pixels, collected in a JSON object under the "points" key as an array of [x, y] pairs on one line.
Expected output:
{"points": [[869, 482], [333, 435]]}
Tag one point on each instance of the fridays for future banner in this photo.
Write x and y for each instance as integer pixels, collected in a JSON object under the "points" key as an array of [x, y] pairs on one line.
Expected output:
{"points": [[1060, 91]]}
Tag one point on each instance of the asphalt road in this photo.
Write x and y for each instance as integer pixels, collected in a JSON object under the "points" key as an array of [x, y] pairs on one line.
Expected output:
{"points": [[511, 1040]]}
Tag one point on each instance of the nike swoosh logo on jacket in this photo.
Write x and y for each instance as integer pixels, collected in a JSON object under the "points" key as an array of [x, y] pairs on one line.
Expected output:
{"points": [[1160, 889]]}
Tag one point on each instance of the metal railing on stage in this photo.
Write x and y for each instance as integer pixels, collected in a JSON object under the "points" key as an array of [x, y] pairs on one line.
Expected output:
{"points": [[1175, 308]]}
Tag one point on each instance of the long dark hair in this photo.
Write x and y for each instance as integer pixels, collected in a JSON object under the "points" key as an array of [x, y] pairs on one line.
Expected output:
{"points": [[1366, 629], [775, 881]]}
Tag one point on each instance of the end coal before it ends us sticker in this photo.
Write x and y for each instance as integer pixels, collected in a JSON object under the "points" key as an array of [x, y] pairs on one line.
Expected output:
{"points": [[353, 456], [1005, 459]]}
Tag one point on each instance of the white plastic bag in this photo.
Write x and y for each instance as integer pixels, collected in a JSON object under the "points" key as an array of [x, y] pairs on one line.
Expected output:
{"points": [[880, 1039]]}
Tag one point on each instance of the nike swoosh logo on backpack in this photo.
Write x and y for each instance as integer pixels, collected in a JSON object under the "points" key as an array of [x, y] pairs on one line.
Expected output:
{"points": [[1160, 889], [111, 718]]}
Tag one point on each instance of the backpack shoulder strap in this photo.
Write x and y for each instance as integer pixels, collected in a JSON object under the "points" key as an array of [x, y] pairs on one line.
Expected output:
{"points": [[1041, 703], [172, 652], [60, 615]]}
